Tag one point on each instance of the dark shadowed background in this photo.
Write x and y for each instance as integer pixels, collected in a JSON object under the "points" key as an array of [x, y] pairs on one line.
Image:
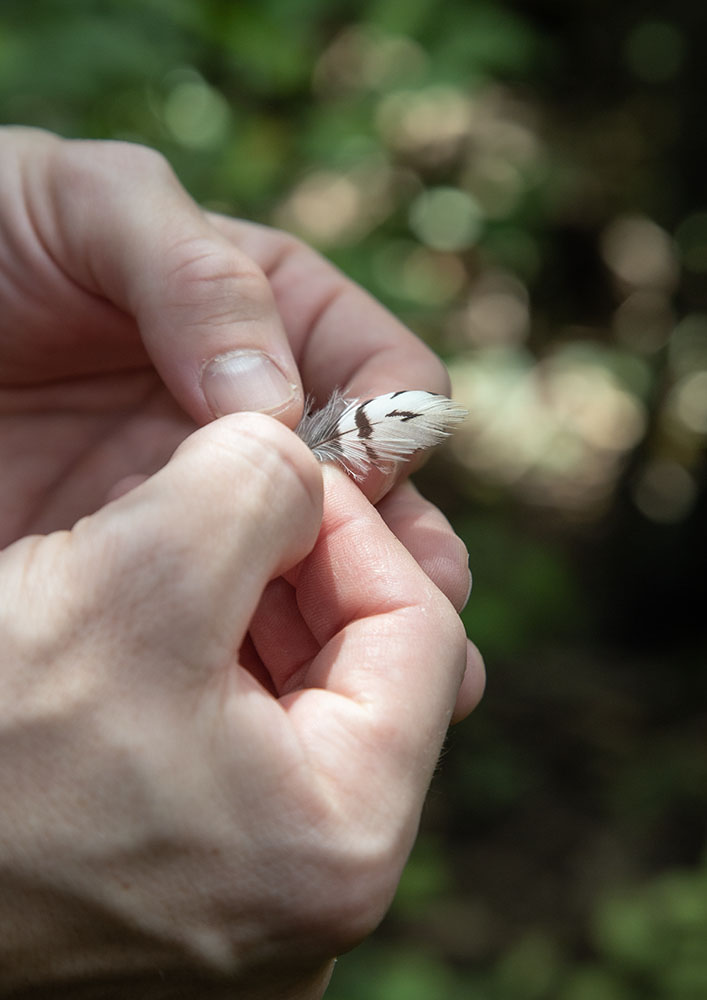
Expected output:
{"points": [[524, 184]]}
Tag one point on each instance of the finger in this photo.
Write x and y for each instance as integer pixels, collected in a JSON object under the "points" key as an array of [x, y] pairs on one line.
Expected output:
{"points": [[126, 230], [249, 659], [181, 560], [285, 642], [393, 651], [472, 686], [428, 536], [125, 485], [280, 635], [340, 335]]}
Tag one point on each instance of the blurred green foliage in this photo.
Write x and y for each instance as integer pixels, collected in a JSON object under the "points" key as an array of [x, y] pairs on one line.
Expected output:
{"points": [[523, 183]]}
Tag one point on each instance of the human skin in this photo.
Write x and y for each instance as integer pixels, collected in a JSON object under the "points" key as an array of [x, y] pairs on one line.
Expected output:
{"points": [[225, 676]]}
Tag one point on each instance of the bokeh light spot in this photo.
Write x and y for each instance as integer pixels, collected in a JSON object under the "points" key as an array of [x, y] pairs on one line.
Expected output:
{"points": [[196, 114], [655, 50], [553, 432], [427, 121], [644, 321], [363, 58], [640, 253], [409, 271], [334, 208], [688, 401], [691, 236], [687, 349], [446, 218], [665, 491], [498, 311]]}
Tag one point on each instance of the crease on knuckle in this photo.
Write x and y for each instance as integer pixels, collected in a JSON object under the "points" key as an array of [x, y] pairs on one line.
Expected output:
{"points": [[219, 272]]}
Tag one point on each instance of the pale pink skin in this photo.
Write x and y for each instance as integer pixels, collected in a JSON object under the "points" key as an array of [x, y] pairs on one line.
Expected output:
{"points": [[225, 677]]}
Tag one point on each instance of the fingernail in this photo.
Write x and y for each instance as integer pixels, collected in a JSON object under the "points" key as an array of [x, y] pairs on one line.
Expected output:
{"points": [[468, 592], [245, 380], [380, 483]]}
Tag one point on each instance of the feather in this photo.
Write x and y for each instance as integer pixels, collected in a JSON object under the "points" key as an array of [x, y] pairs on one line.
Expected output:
{"points": [[379, 431]]}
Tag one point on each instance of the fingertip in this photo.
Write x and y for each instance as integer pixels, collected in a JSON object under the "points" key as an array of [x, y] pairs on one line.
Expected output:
{"points": [[339, 487], [473, 684], [379, 482], [269, 444]]}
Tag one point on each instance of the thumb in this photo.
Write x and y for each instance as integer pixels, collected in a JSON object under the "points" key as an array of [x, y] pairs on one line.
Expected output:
{"points": [[179, 564], [205, 310]]}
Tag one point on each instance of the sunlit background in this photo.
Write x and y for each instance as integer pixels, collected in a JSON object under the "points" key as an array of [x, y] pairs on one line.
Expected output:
{"points": [[524, 184]]}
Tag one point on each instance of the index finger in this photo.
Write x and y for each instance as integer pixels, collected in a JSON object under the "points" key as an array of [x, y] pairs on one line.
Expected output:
{"points": [[113, 220]]}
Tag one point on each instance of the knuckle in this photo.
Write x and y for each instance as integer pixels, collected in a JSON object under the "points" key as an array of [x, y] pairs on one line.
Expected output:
{"points": [[56, 679], [205, 258], [289, 245], [135, 157], [109, 162], [354, 887], [207, 267]]}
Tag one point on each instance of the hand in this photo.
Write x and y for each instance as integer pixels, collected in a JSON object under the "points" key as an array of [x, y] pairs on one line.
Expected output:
{"points": [[171, 826], [179, 792], [129, 317]]}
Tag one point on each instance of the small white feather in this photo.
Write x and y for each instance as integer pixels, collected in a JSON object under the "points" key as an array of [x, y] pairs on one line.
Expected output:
{"points": [[376, 432]]}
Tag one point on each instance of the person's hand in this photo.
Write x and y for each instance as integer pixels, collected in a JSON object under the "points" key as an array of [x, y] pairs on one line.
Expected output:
{"points": [[219, 714], [196, 775], [128, 317]]}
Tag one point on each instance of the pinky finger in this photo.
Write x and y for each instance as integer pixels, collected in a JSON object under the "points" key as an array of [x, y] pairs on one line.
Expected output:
{"points": [[471, 690]]}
